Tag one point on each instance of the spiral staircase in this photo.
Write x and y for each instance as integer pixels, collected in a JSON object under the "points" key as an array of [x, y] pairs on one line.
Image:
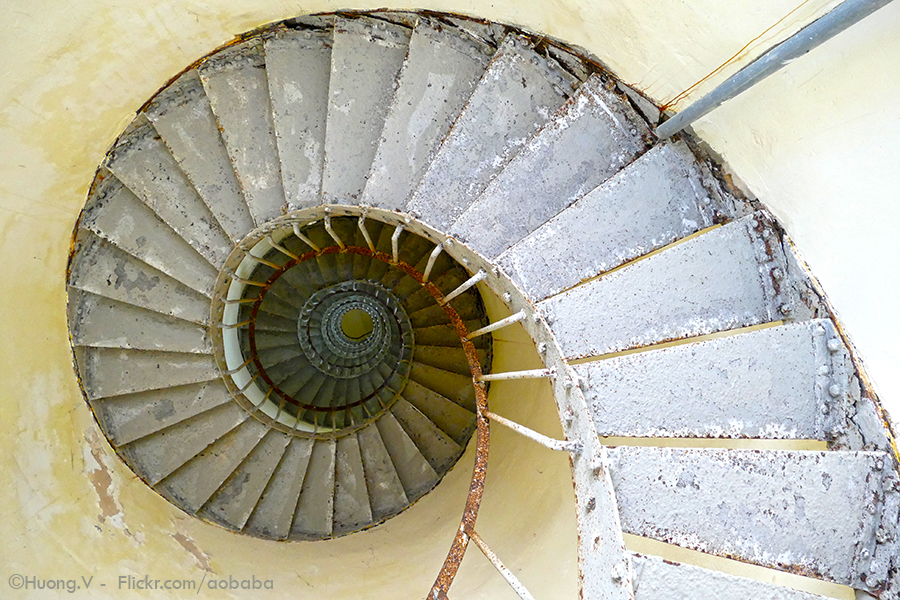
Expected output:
{"points": [[276, 304]]}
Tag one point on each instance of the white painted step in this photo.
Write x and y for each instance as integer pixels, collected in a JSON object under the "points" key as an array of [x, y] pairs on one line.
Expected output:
{"points": [[142, 162], [182, 116], [773, 383], [238, 90], [591, 138], [441, 71], [518, 93], [101, 268], [663, 196], [365, 63], [717, 281], [810, 512], [298, 65], [117, 215], [274, 513], [659, 579]]}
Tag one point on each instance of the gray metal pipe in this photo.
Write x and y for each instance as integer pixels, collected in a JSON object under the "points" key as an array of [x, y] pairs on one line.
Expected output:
{"points": [[817, 32]]}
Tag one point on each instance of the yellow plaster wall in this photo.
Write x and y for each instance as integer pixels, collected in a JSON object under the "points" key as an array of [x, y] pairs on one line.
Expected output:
{"points": [[816, 143]]}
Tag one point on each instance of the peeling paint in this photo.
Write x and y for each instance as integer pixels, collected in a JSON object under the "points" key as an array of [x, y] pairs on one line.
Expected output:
{"points": [[191, 547]]}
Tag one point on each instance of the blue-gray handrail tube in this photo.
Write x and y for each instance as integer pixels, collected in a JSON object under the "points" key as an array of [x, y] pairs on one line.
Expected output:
{"points": [[817, 32]]}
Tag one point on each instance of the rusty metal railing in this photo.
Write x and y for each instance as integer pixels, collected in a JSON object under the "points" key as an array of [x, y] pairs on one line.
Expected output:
{"points": [[466, 531]]}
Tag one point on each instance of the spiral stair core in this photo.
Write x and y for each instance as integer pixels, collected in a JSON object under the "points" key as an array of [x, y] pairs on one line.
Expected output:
{"points": [[278, 297]]}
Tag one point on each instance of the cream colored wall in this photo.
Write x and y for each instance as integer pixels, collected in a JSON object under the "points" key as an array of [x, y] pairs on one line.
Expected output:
{"points": [[815, 143]]}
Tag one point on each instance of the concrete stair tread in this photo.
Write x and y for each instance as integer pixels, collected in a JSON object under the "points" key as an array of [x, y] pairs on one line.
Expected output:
{"points": [[130, 417], [101, 268], [273, 515], [658, 579], [660, 198], [142, 162], [115, 371], [679, 495], [238, 90], [439, 75], [183, 118], [715, 282], [500, 116], [298, 67], [195, 482], [115, 214], [592, 137], [772, 383], [365, 63], [104, 323]]}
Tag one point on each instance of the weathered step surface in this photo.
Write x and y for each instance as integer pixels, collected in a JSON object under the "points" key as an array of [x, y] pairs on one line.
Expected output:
{"points": [[663, 196], [298, 65], [592, 137], [315, 509], [436, 446], [233, 503], [453, 386], [488, 32], [158, 455], [238, 90], [115, 214], [809, 512], [386, 494], [658, 579], [451, 418], [440, 73], [717, 281], [142, 162], [114, 371], [98, 321], [194, 483], [273, 515], [415, 473], [130, 417], [351, 497], [518, 94], [365, 63], [101, 268], [772, 383], [182, 116]]}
